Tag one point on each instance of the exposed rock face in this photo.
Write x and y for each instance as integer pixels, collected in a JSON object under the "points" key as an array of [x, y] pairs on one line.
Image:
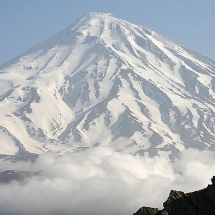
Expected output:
{"points": [[180, 203], [147, 210]]}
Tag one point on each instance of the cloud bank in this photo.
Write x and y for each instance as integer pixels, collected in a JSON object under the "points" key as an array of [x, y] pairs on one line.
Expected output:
{"points": [[102, 182]]}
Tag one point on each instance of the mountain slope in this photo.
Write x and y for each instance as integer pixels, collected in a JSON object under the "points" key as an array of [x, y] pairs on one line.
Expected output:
{"points": [[105, 81]]}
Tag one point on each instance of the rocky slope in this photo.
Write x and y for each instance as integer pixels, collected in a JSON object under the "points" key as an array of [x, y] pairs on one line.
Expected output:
{"points": [[178, 203], [105, 81]]}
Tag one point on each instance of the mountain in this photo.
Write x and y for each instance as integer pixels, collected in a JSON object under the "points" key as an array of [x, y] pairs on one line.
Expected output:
{"points": [[14, 175], [178, 203], [105, 81]]}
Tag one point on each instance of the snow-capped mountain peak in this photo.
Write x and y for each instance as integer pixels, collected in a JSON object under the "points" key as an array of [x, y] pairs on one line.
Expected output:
{"points": [[105, 81]]}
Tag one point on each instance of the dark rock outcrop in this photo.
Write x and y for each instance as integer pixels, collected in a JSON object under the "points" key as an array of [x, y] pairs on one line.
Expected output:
{"points": [[147, 210], [200, 202]]}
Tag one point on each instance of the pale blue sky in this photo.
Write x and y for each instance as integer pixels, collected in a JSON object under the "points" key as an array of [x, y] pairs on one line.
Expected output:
{"points": [[24, 23]]}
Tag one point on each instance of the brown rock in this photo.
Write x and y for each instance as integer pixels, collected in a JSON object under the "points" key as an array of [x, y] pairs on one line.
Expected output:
{"points": [[200, 202], [147, 211]]}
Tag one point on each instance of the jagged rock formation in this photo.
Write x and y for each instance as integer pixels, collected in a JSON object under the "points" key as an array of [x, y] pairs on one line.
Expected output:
{"points": [[200, 202]]}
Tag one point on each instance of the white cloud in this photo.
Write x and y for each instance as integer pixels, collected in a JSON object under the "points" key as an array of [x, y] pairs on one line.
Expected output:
{"points": [[100, 181]]}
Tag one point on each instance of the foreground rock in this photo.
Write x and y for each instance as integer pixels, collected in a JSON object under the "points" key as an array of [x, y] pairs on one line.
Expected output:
{"points": [[180, 203]]}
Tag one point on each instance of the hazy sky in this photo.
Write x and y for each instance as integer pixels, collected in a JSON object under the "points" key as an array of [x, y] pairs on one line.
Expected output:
{"points": [[24, 23]]}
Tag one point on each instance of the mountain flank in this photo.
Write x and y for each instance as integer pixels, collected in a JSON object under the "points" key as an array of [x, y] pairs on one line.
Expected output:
{"points": [[200, 202]]}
